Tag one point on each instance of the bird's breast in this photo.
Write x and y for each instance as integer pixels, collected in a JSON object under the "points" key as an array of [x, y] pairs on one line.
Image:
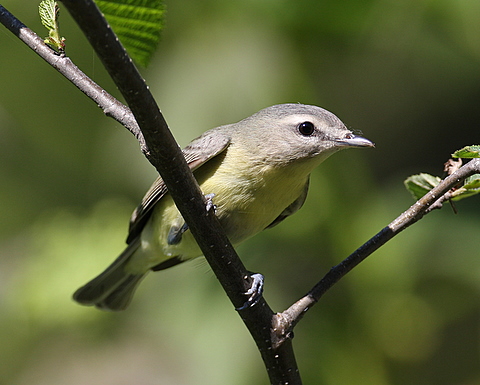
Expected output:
{"points": [[250, 198]]}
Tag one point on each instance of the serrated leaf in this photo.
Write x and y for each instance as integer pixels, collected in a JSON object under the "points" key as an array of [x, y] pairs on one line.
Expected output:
{"points": [[48, 13], [420, 184], [468, 152], [137, 23], [48, 10]]}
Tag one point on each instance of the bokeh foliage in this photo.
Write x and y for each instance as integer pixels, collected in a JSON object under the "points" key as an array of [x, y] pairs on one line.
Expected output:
{"points": [[405, 73]]}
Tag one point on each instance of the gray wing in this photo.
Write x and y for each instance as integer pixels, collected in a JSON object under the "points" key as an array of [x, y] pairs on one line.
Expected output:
{"points": [[293, 208], [199, 151]]}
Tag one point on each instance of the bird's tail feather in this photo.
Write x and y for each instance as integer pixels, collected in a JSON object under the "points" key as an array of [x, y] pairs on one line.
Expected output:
{"points": [[114, 288]]}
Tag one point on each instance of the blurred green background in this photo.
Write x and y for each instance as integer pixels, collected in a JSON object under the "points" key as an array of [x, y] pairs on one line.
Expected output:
{"points": [[406, 73]]}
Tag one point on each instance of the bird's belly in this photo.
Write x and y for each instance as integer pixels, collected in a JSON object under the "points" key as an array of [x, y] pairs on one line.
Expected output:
{"points": [[242, 220]]}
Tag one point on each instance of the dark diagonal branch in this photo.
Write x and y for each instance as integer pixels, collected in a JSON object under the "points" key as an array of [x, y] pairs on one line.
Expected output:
{"points": [[163, 152], [161, 149], [289, 318]]}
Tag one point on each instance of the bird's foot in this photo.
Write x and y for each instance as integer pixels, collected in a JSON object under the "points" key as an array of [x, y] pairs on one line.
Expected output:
{"points": [[255, 292], [210, 205], [176, 232]]}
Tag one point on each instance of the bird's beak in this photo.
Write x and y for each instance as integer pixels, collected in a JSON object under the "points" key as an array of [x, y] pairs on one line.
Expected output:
{"points": [[355, 141]]}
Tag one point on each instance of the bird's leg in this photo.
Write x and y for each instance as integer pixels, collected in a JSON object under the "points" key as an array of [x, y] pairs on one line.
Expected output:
{"points": [[255, 292], [176, 232]]}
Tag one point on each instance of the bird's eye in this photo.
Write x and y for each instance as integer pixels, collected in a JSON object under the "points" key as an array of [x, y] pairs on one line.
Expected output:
{"points": [[306, 128]]}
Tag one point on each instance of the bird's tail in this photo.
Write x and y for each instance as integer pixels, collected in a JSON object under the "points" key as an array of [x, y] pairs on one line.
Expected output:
{"points": [[114, 288]]}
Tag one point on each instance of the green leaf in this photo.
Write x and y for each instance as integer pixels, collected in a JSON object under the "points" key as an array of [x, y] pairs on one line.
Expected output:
{"points": [[48, 13], [420, 184], [48, 10], [137, 23], [467, 152], [472, 181], [471, 187]]}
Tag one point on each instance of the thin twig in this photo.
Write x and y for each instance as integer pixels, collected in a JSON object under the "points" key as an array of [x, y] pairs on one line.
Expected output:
{"points": [[110, 105], [287, 320]]}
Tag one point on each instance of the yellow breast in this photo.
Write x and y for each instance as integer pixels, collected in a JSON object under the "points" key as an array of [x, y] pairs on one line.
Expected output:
{"points": [[250, 195]]}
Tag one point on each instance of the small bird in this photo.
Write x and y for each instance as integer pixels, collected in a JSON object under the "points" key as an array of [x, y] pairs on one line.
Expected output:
{"points": [[254, 172]]}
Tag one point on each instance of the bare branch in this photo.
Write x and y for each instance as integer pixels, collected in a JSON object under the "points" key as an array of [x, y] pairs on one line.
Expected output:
{"points": [[287, 320]]}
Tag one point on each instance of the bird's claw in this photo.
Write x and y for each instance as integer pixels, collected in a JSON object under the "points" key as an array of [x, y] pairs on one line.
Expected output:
{"points": [[255, 292], [209, 203]]}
